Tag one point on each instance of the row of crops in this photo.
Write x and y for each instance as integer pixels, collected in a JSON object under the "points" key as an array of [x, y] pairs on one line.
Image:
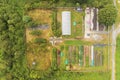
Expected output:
{"points": [[77, 57], [85, 55]]}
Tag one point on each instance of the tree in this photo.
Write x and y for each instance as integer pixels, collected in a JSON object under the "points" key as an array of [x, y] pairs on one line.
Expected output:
{"points": [[12, 41], [107, 15], [27, 19], [77, 1]]}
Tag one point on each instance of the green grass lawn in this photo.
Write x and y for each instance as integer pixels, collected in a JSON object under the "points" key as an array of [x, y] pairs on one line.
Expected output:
{"points": [[117, 55], [76, 42], [62, 75]]}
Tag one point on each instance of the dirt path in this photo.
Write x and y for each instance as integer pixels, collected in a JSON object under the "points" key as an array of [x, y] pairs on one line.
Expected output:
{"points": [[114, 37]]}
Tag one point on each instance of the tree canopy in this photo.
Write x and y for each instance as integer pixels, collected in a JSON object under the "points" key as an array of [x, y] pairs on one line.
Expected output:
{"points": [[12, 49], [107, 15]]}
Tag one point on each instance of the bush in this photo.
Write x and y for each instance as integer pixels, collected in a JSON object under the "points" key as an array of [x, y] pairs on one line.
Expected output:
{"points": [[36, 33], [40, 41], [32, 24], [27, 19]]}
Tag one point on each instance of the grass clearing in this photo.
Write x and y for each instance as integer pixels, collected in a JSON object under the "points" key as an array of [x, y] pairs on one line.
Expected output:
{"points": [[35, 53], [41, 16], [41, 56], [42, 60]]}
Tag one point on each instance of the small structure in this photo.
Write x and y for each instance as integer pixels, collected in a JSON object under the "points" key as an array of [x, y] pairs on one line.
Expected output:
{"points": [[79, 9], [66, 23]]}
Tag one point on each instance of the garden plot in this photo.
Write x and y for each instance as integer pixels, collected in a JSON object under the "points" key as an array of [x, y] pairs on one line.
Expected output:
{"points": [[98, 55], [81, 56], [84, 57], [76, 22]]}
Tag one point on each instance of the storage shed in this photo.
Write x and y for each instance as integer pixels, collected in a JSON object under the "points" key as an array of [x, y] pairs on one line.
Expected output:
{"points": [[66, 23]]}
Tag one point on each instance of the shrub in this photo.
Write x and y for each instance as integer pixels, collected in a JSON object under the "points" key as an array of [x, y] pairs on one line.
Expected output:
{"points": [[40, 41], [27, 19], [36, 33]]}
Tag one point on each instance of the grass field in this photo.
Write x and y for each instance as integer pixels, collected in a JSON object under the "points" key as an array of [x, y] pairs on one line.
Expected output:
{"points": [[35, 53], [42, 60], [117, 57], [41, 16], [42, 56]]}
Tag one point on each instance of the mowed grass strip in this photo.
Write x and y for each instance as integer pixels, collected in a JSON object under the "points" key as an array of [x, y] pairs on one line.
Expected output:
{"points": [[76, 42], [117, 59]]}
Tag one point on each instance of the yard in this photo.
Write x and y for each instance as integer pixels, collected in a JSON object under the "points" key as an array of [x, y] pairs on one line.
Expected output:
{"points": [[76, 22]]}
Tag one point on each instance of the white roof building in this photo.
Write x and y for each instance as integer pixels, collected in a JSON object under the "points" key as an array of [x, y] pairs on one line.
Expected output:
{"points": [[66, 23]]}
